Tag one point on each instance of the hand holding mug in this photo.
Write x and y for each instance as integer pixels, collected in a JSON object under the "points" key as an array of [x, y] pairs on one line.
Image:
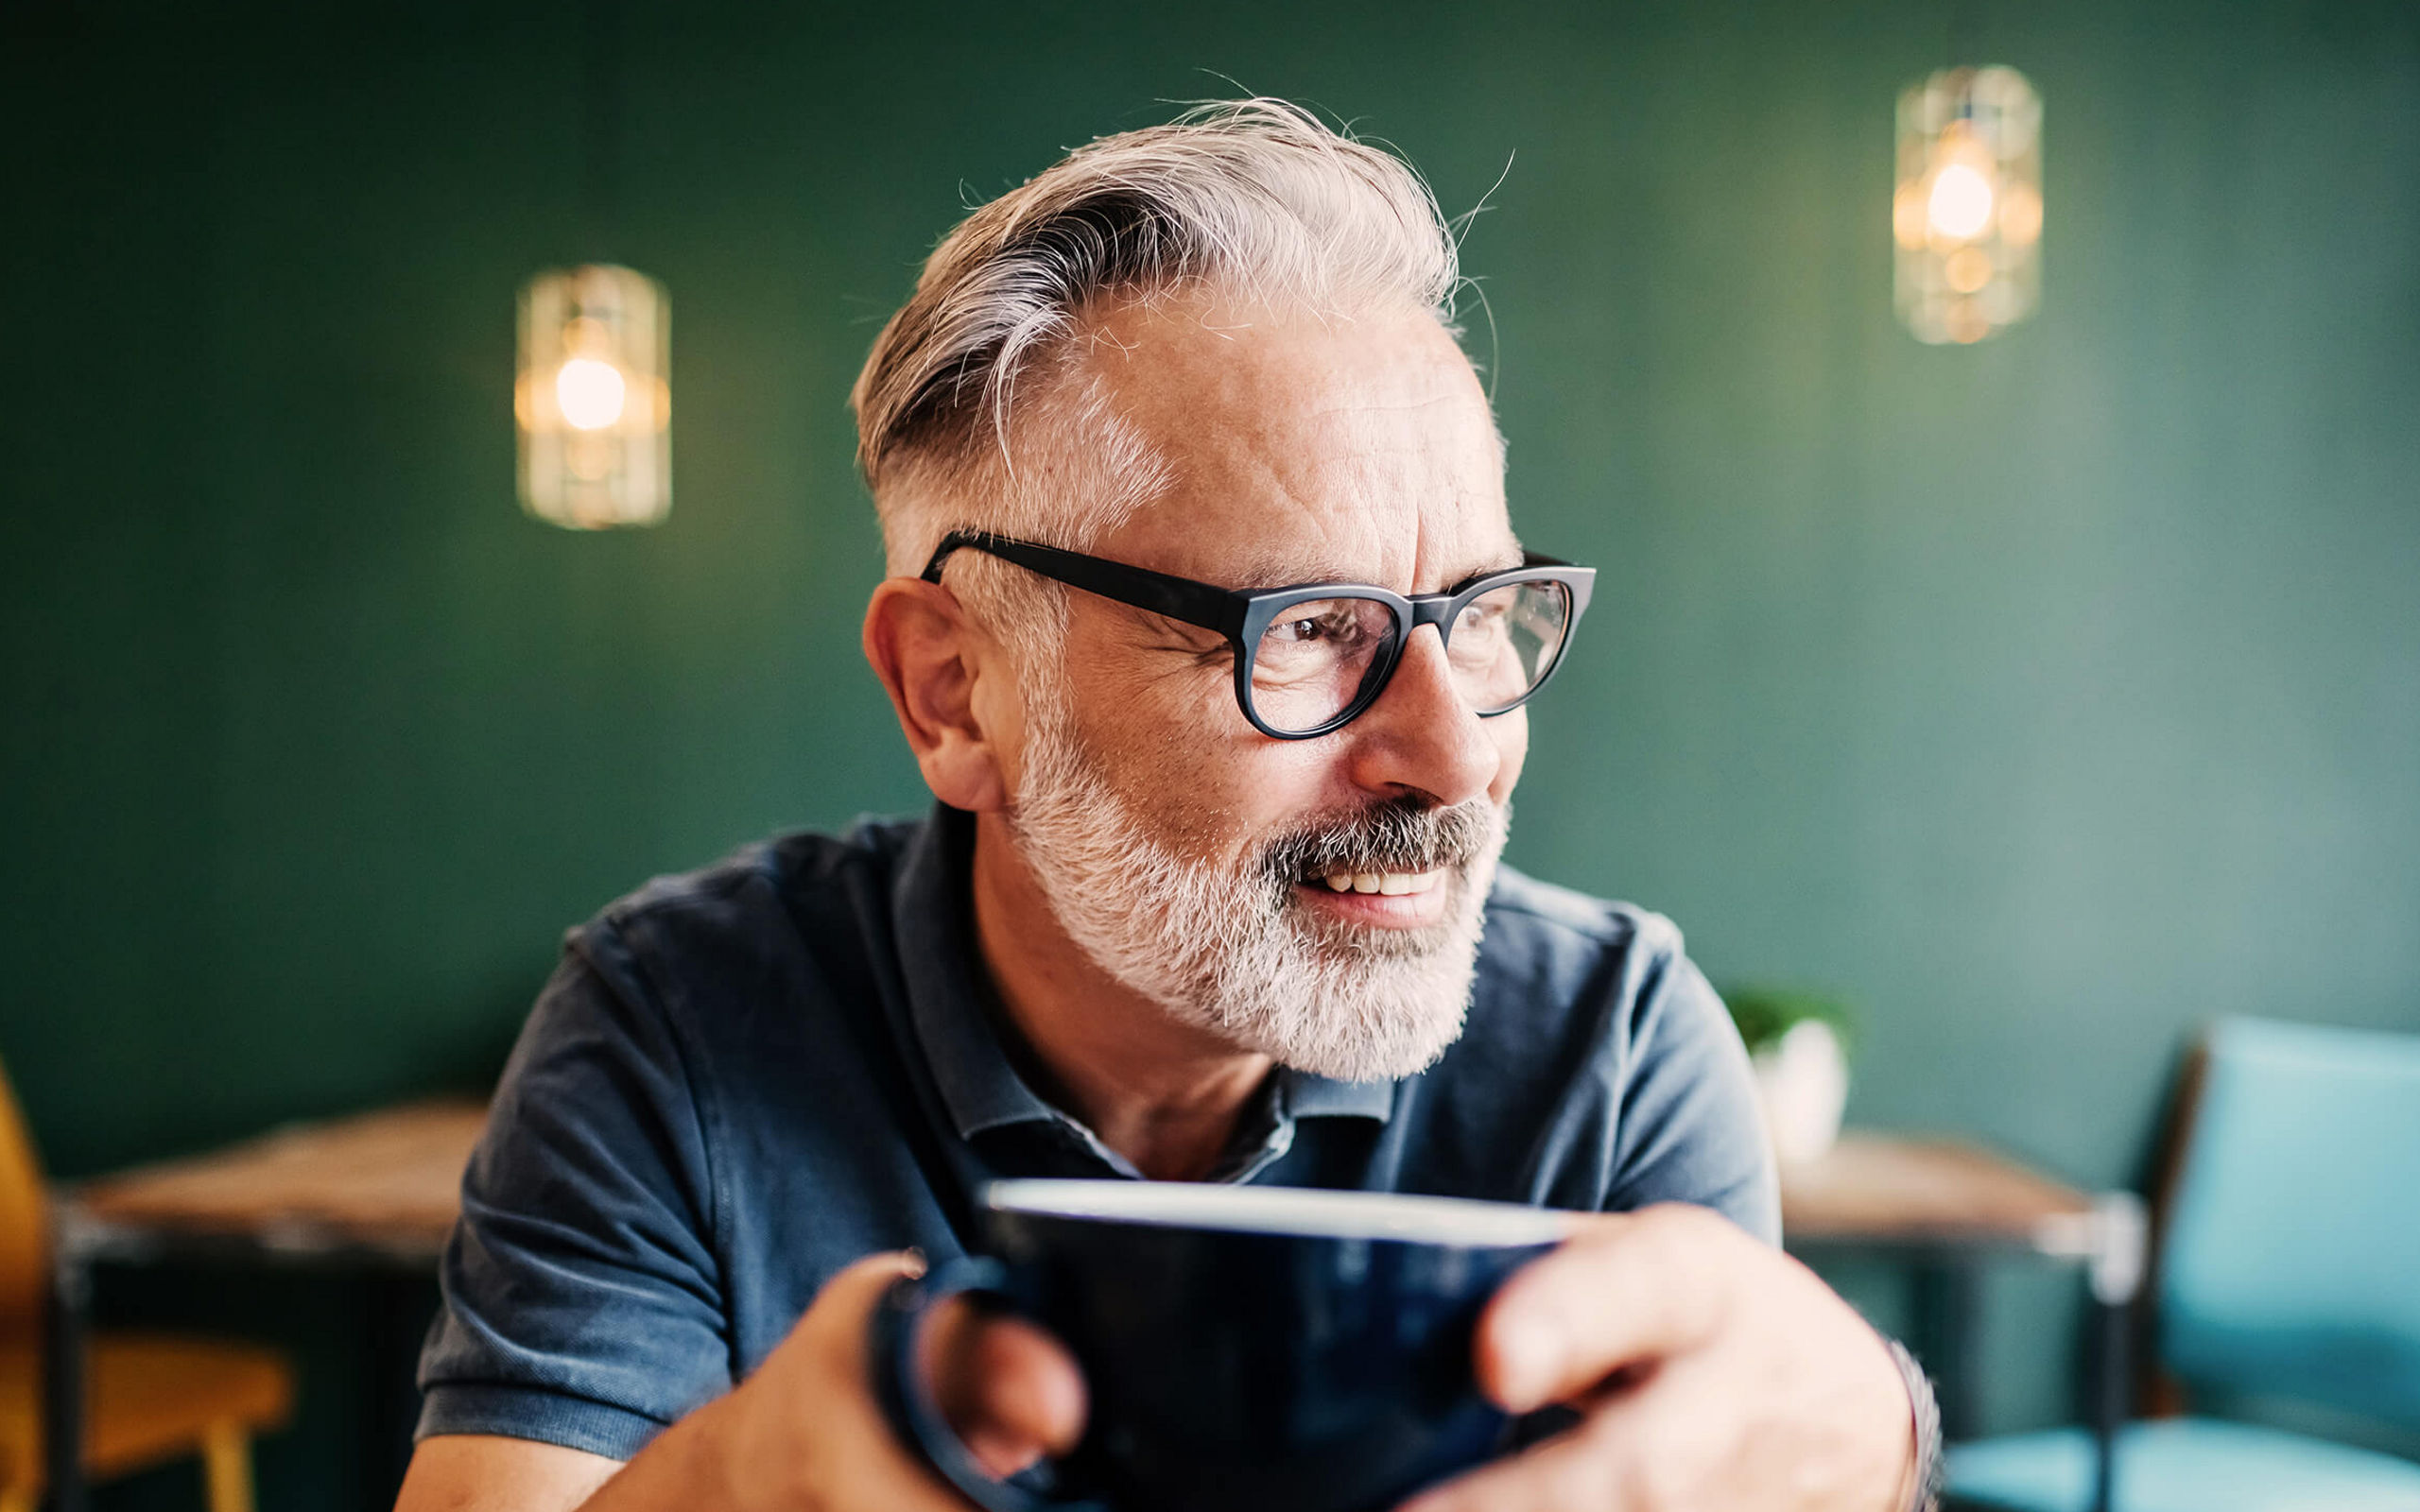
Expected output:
{"points": [[1708, 1369], [805, 1431]]}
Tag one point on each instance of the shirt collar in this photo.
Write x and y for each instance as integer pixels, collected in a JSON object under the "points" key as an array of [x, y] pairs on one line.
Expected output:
{"points": [[1310, 1096], [933, 910], [946, 992]]}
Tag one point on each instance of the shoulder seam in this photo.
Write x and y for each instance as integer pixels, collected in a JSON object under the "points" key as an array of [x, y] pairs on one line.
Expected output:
{"points": [[701, 1108]]}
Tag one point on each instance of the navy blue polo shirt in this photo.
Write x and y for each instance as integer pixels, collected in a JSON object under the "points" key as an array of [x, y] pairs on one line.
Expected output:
{"points": [[743, 1079]]}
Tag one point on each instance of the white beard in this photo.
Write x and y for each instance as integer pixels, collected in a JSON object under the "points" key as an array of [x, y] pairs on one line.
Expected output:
{"points": [[1229, 948]]}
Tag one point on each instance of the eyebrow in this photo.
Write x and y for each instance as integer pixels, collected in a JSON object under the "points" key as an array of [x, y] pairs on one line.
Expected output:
{"points": [[1261, 578], [1494, 563]]}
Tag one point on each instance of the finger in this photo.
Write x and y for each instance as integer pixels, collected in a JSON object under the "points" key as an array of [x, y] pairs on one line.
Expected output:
{"points": [[1011, 1392], [1569, 1470], [1624, 1292], [842, 1416]]}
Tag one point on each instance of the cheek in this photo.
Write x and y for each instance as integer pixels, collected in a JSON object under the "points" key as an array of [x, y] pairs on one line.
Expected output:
{"points": [[1511, 733], [1174, 747], [1211, 786], [1232, 790]]}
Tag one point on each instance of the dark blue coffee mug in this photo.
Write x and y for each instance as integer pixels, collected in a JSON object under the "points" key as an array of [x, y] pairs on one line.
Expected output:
{"points": [[1245, 1348]]}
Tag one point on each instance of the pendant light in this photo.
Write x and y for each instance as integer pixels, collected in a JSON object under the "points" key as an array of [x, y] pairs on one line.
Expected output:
{"points": [[594, 407], [592, 398], [1967, 212]]}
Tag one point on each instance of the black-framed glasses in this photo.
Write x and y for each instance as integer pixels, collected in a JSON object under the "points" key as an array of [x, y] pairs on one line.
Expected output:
{"points": [[1310, 658]]}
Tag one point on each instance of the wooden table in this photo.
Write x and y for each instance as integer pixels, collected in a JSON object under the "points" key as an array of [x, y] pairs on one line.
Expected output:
{"points": [[1883, 1189], [376, 1193], [1945, 1209], [378, 1186]]}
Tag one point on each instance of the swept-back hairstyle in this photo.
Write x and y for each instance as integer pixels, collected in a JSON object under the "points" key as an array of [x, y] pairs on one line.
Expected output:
{"points": [[1255, 199]]}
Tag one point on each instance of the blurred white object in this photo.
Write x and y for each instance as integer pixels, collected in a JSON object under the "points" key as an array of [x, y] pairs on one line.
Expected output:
{"points": [[593, 406], [1967, 212], [1802, 1079]]}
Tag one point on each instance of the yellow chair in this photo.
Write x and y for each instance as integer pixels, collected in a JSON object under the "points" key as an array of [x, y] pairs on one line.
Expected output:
{"points": [[148, 1399]]}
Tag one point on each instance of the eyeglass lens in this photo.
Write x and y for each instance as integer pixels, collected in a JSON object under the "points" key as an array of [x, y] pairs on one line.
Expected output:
{"points": [[1316, 657]]}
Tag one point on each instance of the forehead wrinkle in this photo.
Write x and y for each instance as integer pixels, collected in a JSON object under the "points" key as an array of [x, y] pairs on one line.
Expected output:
{"points": [[1317, 480], [1352, 536], [1435, 401]]}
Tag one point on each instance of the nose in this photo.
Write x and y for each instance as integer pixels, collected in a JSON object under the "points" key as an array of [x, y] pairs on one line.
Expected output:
{"points": [[1422, 737]]}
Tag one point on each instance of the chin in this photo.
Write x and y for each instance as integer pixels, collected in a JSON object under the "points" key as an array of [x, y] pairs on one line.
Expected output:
{"points": [[1406, 1049], [1336, 1008]]}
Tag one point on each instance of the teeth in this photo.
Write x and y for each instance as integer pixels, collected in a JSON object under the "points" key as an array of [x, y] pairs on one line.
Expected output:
{"points": [[1390, 884]]}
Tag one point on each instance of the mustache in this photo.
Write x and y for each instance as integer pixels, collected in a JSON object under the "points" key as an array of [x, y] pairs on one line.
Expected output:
{"points": [[1399, 835]]}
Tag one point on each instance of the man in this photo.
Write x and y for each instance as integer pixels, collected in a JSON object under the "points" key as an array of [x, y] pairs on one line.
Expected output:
{"points": [[1211, 893]]}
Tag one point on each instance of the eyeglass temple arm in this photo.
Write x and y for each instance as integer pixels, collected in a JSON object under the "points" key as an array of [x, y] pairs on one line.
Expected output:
{"points": [[1178, 598]]}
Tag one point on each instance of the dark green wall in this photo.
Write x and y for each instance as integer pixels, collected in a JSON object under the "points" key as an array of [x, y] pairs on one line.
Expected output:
{"points": [[2045, 697]]}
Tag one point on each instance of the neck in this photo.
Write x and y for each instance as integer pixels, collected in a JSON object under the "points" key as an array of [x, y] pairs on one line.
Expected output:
{"points": [[1164, 1094]]}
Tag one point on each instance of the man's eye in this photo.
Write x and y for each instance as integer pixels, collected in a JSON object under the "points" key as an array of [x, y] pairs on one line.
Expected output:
{"points": [[1314, 628], [1321, 633]]}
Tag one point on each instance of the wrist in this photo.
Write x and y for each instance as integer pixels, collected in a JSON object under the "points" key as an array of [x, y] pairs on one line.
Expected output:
{"points": [[1919, 1488], [713, 1452]]}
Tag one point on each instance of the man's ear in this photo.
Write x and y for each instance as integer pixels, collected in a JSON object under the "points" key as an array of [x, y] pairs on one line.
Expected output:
{"points": [[942, 672]]}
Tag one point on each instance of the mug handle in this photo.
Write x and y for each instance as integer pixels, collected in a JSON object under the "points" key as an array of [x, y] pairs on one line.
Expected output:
{"points": [[915, 1419]]}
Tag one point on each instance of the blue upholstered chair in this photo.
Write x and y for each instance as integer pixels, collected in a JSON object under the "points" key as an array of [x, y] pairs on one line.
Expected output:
{"points": [[2289, 1275]]}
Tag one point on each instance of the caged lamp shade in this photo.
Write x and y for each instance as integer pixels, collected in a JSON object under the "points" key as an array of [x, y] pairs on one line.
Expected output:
{"points": [[593, 406], [1966, 215]]}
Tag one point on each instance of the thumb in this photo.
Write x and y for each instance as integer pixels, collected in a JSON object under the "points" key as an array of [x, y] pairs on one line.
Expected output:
{"points": [[1626, 1289]]}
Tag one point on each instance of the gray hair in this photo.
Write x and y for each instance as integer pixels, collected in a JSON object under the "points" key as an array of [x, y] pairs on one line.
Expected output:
{"points": [[1255, 199]]}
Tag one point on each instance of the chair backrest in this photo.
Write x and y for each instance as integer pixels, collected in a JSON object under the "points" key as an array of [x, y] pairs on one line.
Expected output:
{"points": [[2290, 1262], [25, 1223]]}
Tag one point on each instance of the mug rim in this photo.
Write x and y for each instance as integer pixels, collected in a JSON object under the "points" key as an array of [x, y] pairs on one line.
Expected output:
{"points": [[1306, 1212]]}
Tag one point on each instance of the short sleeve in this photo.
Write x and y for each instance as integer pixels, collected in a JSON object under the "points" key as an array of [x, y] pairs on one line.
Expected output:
{"points": [[583, 1303], [1692, 1130]]}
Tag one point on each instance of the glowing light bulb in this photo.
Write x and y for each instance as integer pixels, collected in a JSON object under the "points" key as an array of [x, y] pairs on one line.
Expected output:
{"points": [[1966, 204], [591, 393], [591, 399], [1961, 203]]}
